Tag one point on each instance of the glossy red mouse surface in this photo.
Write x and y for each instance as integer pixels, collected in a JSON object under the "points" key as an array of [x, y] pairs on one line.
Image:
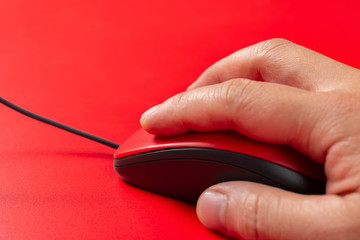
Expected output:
{"points": [[285, 156]]}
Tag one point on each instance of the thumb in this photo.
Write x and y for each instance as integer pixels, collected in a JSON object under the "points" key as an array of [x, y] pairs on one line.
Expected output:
{"points": [[246, 210]]}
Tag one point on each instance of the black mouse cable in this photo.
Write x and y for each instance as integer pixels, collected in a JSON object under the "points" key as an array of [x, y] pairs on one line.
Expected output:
{"points": [[59, 125]]}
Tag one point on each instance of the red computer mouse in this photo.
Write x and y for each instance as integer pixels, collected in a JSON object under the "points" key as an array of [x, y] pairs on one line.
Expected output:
{"points": [[182, 167]]}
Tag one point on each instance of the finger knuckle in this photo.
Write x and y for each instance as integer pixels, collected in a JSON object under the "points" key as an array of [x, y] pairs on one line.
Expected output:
{"points": [[275, 45], [279, 58], [229, 91], [255, 210], [237, 94], [232, 89]]}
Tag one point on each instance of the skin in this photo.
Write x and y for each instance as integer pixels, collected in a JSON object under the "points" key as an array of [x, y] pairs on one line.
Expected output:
{"points": [[279, 92]]}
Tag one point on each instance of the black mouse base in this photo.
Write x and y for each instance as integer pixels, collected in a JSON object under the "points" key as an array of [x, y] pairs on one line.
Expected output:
{"points": [[185, 173]]}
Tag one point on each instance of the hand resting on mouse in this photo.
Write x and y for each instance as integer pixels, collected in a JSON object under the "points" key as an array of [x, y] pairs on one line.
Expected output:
{"points": [[278, 92]]}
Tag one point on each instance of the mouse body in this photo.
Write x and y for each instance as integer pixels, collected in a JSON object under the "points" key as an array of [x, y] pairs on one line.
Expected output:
{"points": [[183, 166]]}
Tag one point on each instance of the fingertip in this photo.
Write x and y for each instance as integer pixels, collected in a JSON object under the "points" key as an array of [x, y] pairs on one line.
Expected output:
{"points": [[145, 116], [150, 111], [211, 209], [160, 121], [145, 119]]}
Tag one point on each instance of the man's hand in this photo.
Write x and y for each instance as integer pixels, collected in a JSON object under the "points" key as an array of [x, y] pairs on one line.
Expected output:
{"points": [[278, 92]]}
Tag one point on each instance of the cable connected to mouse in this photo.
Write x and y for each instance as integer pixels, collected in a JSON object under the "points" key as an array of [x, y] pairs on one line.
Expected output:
{"points": [[59, 125]]}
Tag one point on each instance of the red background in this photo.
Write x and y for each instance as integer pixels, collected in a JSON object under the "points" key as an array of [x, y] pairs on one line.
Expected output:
{"points": [[97, 65]]}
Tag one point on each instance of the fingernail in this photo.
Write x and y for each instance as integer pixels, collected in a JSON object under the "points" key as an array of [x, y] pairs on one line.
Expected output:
{"points": [[211, 209], [149, 112]]}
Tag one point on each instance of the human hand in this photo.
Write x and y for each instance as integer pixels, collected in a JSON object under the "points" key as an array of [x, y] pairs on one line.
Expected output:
{"points": [[278, 92]]}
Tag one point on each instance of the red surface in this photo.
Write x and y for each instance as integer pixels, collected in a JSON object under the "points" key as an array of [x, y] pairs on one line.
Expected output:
{"points": [[97, 65], [141, 141]]}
